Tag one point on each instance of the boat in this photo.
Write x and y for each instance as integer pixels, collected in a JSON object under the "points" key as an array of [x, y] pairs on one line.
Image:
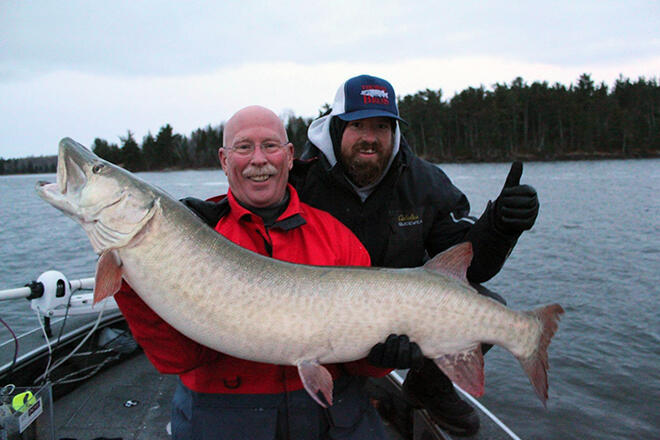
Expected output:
{"points": [[81, 375]]}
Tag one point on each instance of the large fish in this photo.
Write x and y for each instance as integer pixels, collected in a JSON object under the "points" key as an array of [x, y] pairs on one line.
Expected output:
{"points": [[257, 308]]}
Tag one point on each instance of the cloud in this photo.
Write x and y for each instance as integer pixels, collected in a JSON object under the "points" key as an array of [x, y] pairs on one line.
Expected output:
{"points": [[39, 111], [173, 38]]}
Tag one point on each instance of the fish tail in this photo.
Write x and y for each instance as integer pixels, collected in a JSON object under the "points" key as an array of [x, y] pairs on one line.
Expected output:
{"points": [[536, 365]]}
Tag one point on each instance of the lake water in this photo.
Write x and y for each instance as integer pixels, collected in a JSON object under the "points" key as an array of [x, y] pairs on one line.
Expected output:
{"points": [[595, 249]]}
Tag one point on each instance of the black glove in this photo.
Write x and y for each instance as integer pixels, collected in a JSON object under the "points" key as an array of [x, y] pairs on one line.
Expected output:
{"points": [[396, 352], [517, 206]]}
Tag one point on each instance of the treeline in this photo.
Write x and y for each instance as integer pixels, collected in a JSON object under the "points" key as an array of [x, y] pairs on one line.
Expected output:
{"points": [[536, 121], [29, 165], [169, 150], [510, 121]]}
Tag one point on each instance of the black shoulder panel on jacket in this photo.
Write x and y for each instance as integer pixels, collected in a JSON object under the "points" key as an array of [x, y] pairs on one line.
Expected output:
{"points": [[210, 212], [301, 167], [310, 151]]}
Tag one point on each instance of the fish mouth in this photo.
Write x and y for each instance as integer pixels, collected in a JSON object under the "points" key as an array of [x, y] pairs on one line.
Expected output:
{"points": [[97, 195], [72, 161]]}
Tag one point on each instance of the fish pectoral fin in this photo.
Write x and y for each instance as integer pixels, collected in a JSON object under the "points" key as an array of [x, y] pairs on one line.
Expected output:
{"points": [[108, 276], [317, 381], [465, 369]]}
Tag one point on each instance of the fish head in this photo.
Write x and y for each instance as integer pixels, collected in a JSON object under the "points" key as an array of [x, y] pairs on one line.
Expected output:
{"points": [[110, 203]]}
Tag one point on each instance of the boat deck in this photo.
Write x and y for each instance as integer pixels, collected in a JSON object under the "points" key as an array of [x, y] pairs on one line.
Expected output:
{"points": [[128, 399]]}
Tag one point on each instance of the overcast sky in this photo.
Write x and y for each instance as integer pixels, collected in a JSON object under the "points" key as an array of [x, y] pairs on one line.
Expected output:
{"points": [[87, 69]]}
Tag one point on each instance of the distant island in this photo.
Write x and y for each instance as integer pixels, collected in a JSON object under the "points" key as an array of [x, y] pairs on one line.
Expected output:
{"points": [[507, 122]]}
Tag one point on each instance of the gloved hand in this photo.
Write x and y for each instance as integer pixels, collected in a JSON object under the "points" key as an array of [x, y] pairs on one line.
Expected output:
{"points": [[517, 205], [396, 352]]}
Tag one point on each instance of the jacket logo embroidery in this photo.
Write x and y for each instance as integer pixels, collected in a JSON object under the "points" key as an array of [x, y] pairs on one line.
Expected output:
{"points": [[408, 219]]}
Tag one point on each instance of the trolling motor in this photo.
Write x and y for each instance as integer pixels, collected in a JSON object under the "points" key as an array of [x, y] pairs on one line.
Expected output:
{"points": [[53, 295], [58, 296]]}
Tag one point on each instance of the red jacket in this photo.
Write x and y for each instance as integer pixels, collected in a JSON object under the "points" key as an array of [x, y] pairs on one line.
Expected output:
{"points": [[302, 234]]}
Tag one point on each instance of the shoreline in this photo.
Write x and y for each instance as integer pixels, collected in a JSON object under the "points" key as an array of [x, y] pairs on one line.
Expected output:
{"points": [[566, 157]]}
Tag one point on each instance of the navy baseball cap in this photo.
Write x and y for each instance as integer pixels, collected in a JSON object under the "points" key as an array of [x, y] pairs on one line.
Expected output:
{"points": [[363, 97]]}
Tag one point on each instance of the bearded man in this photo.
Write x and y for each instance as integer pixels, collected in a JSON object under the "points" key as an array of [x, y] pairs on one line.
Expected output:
{"points": [[359, 168]]}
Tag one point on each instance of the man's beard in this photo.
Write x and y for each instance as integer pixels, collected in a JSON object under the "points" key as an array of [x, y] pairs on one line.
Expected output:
{"points": [[364, 172]]}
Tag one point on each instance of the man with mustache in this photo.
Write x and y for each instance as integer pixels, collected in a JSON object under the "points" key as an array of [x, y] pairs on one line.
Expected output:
{"points": [[359, 168], [222, 397]]}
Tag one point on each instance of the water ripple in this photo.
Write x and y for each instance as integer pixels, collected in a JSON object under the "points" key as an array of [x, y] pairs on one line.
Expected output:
{"points": [[594, 250]]}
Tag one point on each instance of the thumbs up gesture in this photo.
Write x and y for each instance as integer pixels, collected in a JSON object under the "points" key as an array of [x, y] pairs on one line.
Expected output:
{"points": [[517, 205]]}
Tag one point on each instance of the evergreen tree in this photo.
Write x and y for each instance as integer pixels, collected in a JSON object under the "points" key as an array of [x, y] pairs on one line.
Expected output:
{"points": [[167, 147], [204, 145], [131, 154], [149, 152], [109, 152], [296, 130]]}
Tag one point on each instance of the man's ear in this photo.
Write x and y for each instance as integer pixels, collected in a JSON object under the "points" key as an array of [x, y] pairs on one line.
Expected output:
{"points": [[222, 155], [290, 152]]}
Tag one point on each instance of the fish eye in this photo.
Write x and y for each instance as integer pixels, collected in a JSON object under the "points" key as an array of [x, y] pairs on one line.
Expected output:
{"points": [[97, 168]]}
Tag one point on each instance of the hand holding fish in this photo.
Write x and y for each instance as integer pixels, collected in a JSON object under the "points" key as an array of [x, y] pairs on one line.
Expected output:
{"points": [[396, 352]]}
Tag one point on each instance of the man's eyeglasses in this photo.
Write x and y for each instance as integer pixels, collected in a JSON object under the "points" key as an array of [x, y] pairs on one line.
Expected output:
{"points": [[247, 149]]}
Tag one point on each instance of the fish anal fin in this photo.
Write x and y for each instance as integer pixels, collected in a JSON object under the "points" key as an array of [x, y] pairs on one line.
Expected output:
{"points": [[108, 276], [465, 369], [453, 262], [536, 366], [317, 381]]}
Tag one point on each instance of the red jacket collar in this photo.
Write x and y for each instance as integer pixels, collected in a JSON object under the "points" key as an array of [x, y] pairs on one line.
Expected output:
{"points": [[240, 213]]}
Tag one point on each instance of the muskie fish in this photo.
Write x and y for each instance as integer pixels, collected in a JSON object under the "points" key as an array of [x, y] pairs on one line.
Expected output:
{"points": [[257, 308]]}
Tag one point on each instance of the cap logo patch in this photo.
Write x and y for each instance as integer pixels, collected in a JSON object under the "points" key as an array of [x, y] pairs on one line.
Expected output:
{"points": [[374, 94]]}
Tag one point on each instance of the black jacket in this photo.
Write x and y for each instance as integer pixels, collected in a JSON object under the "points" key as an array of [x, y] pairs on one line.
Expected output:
{"points": [[414, 213]]}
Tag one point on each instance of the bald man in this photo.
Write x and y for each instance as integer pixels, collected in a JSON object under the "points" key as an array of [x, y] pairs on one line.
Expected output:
{"points": [[256, 157], [220, 396]]}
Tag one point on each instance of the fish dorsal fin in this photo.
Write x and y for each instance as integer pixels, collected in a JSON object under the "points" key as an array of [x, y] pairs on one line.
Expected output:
{"points": [[453, 262], [108, 276]]}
